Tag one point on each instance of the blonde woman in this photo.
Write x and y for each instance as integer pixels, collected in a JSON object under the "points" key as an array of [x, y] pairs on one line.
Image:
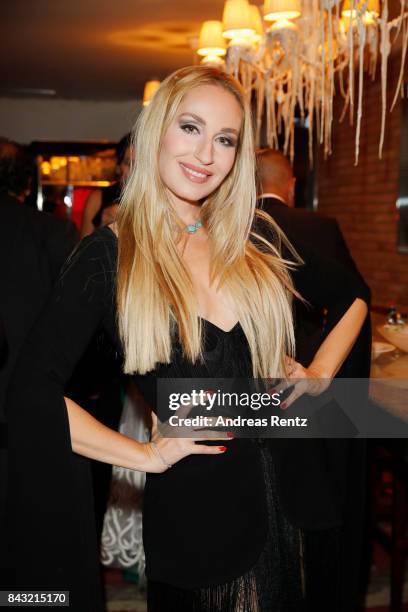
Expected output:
{"points": [[186, 288]]}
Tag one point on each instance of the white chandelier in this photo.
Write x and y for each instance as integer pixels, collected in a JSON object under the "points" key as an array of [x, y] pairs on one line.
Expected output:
{"points": [[294, 59]]}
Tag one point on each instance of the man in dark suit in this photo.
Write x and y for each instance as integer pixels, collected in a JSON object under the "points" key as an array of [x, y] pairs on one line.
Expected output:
{"points": [[345, 458], [317, 232], [33, 247]]}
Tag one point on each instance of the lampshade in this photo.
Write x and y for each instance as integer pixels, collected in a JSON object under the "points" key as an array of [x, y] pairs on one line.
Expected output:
{"points": [[281, 9], [150, 89], [236, 19], [213, 60], [373, 7], [283, 24], [256, 21], [212, 41]]}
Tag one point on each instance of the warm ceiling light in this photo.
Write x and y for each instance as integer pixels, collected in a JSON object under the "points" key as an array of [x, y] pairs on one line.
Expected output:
{"points": [[256, 21], [216, 61], [45, 168], [373, 7], [369, 19], [211, 41], [283, 24], [294, 58], [281, 9], [237, 20], [150, 89]]}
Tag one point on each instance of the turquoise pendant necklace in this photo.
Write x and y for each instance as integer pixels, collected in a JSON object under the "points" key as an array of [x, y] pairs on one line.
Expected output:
{"points": [[191, 228]]}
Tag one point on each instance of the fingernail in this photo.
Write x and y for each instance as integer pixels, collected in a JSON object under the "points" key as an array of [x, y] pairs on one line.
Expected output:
{"points": [[222, 448], [284, 405], [273, 390], [209, 392], [230, 434]]}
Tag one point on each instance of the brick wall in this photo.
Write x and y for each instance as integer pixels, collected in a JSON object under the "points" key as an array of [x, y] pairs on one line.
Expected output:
{"points": [[362, 198]]}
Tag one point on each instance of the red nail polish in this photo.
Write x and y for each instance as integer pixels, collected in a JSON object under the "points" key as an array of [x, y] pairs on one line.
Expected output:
{"points": [[222, 448], [284, 406], [230, 434]]}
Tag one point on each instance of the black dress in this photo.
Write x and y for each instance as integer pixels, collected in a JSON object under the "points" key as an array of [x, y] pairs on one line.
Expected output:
{"points": [[221, 532]]}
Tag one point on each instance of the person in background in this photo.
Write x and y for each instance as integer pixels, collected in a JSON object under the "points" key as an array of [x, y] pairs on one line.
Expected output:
{"points": [[33, 247], [276, 196], [95, 382], [53, 201], [102, 204], [304, 228], [57, 237]]}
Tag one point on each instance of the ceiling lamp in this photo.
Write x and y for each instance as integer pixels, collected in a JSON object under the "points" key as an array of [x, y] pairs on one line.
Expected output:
{"points": [[281, 25], [212, 43], [150, 89], [237, 20], [292, 68], [352, 9], [281, 9], [257, 23]]}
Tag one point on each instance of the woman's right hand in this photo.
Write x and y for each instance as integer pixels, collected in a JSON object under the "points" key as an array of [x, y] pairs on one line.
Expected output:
{"points": [[169, 450]]}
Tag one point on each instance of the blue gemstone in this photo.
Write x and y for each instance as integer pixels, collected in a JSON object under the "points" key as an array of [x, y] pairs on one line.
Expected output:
{"points": [[191, 229]]}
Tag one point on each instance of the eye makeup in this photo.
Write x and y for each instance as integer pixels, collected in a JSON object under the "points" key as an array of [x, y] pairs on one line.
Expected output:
{"points": [[191, 128]]}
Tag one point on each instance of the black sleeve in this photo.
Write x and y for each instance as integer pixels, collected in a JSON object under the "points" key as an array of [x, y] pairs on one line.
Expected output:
{"points": [[81, 302], [332, 286], [50, 502], [329, 285], [323, 283], [326, 283]]}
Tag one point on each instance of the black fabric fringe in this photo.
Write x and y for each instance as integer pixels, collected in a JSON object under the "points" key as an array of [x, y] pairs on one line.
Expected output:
{"points": [[295, 572]]}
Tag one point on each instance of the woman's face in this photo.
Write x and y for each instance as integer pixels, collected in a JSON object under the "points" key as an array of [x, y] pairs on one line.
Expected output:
{"points": [[198, 150]]}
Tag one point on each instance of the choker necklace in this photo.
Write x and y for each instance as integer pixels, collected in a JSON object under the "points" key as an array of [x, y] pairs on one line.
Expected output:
{"points": [[192, 228]]}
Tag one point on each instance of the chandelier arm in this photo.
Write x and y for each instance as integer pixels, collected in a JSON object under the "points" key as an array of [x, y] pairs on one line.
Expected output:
{"points": [[331, 76], [345, 107], [384, 50], [373, 51], [322, 77], [299, 95], [351, 64], [274, 119], [268, 113], [399, 20], [401, 74], [341, 82], [395, 22], [361, 39]]}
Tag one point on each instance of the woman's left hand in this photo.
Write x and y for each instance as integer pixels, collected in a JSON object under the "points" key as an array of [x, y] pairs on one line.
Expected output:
{"points": [[302, 380]]}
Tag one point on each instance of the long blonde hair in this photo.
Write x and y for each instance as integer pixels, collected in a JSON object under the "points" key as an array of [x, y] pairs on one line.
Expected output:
{"points": [[156, 299]]}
